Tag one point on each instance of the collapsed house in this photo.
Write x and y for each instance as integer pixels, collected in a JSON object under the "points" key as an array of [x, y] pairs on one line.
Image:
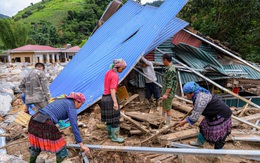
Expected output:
{"points": [[131, 32]]}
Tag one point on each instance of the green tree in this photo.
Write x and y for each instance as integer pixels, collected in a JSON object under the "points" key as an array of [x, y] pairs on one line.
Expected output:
{"points": [[43, 33], [13, 34], [79, 25], [234, 23]]}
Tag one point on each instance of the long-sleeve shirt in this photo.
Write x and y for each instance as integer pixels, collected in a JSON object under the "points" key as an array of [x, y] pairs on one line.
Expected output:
{"points": [[35, 87], [63, 109], [209, 106], [149, 70]]}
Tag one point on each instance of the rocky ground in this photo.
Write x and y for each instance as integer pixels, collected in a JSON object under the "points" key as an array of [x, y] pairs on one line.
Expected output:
{"points": [[93, 131]]}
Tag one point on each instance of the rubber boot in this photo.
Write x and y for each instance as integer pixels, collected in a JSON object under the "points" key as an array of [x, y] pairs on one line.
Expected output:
{"points": [[63, 125], [200, 141], [32, 159], [109, 131], [59, 159], [115, 135]]}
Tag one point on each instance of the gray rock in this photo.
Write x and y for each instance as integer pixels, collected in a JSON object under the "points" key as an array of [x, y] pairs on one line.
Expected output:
{"points": [[5, 103], [4, 158]]}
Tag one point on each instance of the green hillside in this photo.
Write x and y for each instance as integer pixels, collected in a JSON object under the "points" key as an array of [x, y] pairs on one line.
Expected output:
{"points": [[49, 10], [3, 16]]}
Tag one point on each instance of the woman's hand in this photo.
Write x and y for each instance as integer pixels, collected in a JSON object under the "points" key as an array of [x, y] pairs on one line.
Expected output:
{"points": [[181, 123], [115, 105], [86, 149]]}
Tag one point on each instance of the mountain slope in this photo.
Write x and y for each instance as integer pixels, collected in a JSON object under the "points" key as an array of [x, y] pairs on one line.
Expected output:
{"points": [[3, 16], [49, 10]]}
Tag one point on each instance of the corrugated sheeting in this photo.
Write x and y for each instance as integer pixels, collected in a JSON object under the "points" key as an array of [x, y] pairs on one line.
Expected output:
{"points": [[244, 73], [186, 38], [132, 31], [208, 49], [197, 58], [189, 76], [165, 47]]}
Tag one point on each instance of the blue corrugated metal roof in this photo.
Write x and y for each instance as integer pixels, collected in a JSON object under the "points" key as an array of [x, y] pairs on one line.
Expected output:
{"points": [[131, 31]]}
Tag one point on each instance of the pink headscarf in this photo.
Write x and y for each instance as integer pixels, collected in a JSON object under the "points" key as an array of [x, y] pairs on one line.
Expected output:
{"points": [[77, 96], [118, 63]]}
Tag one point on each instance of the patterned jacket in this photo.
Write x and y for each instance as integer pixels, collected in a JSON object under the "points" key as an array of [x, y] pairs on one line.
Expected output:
{"points": [[35, 87], [170, 81]]}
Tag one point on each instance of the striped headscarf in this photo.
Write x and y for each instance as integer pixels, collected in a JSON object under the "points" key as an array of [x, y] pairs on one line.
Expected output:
{"points": [[117, 63]]}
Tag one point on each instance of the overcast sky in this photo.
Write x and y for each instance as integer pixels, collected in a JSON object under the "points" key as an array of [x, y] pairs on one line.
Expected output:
{"points": [[11, 7]]}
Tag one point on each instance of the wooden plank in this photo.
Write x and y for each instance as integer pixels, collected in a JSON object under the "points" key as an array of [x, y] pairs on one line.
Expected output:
{"points": [[162, 157], [184, 134], [153, 156], [247, 118], [171, 125], [246, 122], [22, 118], [153, 119], [180, 105], [137, 124], [131, 98]]}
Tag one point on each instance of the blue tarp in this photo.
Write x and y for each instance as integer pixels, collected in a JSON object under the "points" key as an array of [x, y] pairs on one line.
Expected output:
{"points": [[134, 30]]}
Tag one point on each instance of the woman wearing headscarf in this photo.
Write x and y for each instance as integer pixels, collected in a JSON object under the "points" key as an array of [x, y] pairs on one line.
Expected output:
{"points": [[216, 125], [110, 111], [45, 136]]}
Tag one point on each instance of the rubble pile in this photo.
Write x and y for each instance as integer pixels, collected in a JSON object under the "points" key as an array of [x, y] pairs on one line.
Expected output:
{"points": [[139, 122]]}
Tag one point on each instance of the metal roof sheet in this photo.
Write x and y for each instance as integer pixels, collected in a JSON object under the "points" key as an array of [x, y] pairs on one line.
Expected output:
{"points": [[197, 58], [186, 38], [245, 72], [132, 31]]}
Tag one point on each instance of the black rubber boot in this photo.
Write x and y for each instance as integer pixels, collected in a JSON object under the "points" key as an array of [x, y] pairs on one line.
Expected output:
{"points": [[32, 159], [59, 159]]}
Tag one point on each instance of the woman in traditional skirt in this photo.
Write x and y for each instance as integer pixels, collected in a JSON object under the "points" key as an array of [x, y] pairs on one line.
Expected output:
{"points": [[216, 125], [45, 136], [110, 111]]}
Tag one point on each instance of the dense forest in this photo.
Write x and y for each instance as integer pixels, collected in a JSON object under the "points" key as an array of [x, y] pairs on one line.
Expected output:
{"points": [[58, 22]]}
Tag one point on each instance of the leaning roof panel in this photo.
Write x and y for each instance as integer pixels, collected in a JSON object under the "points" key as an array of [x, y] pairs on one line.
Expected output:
{"points": [[132, 31]]}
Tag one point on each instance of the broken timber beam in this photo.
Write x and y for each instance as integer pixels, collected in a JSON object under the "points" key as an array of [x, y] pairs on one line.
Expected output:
{"points": [[165, 128], [252, 117], [180, 135], [246, 122], [244, 109], [246, 153], [137, 125]]}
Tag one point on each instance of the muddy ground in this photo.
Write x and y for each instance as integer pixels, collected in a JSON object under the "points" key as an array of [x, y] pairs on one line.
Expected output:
{"points": [[93, 132]]}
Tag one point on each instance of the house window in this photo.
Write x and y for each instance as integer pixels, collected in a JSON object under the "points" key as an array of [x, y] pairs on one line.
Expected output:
{"points": [[17, 59], [27, 59], [70, 57]]}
